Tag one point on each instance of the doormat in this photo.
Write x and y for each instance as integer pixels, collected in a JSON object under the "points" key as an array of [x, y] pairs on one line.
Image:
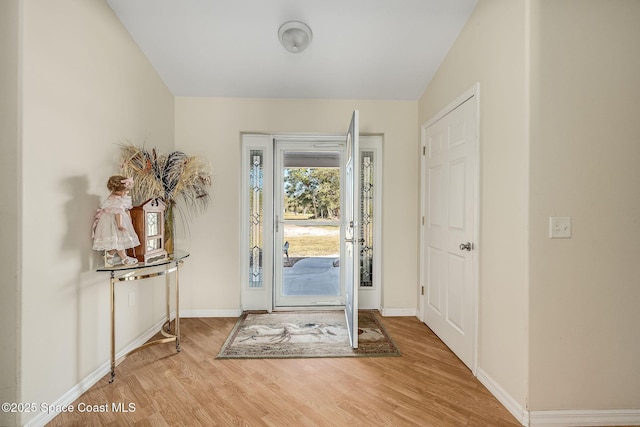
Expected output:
{"points": [[299, 334]]}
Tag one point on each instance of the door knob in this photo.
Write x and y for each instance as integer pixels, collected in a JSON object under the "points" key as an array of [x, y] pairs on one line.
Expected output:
{"points": [[466, 246]]}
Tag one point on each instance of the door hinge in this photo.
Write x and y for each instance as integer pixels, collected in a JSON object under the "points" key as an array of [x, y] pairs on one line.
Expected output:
{"points": [[421, 290], [424, 150], [423, 220]]}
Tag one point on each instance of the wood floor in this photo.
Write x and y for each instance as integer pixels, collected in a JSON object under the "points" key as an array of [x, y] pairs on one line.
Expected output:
{"points": [[426, 386]]}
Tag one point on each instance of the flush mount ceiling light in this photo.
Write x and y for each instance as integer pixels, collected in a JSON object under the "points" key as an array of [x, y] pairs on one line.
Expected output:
{"points": [[295, 36]]}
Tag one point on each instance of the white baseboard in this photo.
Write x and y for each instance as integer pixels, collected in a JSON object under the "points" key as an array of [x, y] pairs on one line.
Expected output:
{"points": [[233, 312], [90, 380], [511, 404], [398, 312], [563, 418], [567, 418]]}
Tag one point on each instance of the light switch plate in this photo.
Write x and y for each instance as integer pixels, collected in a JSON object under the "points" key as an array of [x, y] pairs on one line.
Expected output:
{"points": [[560, 227]]}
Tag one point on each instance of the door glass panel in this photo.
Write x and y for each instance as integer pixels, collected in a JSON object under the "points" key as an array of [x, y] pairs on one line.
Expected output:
{"points": [[366, 218], [309, 235], [255, 218], [311, 256]]}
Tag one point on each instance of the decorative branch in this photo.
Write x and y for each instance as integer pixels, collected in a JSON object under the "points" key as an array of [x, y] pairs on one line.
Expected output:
{"points": [[175, 177]]}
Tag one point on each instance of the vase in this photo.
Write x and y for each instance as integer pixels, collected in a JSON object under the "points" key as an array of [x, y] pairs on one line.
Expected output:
{"points": [[169, 229]]}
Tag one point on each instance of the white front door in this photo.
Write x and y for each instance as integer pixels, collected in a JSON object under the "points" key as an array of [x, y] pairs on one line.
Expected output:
{"points": [[352, 234], [449, 245]]}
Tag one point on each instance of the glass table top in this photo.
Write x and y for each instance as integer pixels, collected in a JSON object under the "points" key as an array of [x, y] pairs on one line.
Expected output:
{"points": [[176, 256]]}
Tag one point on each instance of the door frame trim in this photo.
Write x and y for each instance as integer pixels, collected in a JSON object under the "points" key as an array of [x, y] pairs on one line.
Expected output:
{"points": [[262, 298], [281, 145], [472, 92]]}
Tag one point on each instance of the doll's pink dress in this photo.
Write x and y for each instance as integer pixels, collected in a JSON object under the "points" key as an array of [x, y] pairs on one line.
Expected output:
{"points": [[106, 234]]}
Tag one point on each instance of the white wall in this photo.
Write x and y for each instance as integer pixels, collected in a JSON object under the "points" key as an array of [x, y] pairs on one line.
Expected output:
{"points": [[212, 126], [585, 157], [86, 86], [9, 207], [559, 98], [491, 50]]}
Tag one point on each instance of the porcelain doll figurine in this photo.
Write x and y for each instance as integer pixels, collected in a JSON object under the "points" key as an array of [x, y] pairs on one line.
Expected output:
{"points": [[113, 231]]}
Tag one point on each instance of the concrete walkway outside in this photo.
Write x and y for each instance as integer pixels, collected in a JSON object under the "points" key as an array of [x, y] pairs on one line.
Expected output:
{"points": [[312, 276]]}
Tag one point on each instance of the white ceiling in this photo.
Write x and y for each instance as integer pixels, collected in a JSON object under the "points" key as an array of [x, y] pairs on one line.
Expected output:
{"points": [[361, 49]]}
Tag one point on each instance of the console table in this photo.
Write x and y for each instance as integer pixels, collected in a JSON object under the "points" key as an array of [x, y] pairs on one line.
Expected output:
{"points": [[139, 272]]}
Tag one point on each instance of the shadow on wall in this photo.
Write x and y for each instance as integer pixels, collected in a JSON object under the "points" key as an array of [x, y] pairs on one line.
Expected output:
{"points": [[80, 209]]}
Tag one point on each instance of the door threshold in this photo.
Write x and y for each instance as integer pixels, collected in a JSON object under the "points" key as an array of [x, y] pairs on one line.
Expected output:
{"points": [[310, 308]]}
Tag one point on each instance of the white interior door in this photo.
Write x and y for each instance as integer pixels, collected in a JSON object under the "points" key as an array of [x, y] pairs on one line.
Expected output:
{"points": [[352, 235], [450, 175]]}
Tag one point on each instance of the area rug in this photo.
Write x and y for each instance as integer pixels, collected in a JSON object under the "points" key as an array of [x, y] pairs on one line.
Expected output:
{"points": [[260, 335]]}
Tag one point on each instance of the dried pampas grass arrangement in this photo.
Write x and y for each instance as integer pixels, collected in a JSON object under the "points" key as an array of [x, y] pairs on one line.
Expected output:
{"points": [[180, 180]]}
